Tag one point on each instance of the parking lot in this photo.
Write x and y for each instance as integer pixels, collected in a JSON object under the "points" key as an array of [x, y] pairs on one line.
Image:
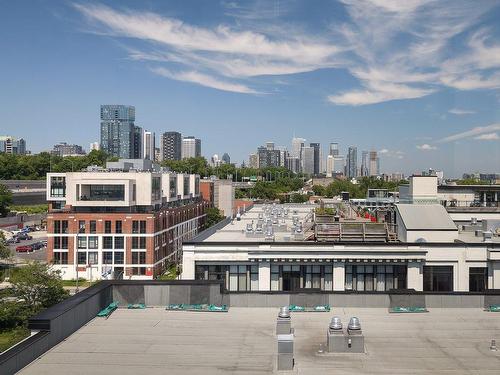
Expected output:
{"points": [[38, 255]]}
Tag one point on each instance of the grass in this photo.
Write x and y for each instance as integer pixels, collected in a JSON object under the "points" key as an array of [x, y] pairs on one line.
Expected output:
{"points": [[30, 209], [81, 283], [12, 336]]}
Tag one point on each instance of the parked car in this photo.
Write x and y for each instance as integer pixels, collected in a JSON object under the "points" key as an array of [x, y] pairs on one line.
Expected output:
{"points": [[24, 249], [24, 236], [37, 245], [13, 240]]}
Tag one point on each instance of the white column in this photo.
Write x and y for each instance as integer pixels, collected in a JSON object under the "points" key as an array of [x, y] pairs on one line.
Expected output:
{"points": [[339, 276], [264, 276], [496, 275], [415, 276], [187, 265]]}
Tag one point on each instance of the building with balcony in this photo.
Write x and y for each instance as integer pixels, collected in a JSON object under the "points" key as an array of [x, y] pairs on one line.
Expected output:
{"points": [[123, 221]]}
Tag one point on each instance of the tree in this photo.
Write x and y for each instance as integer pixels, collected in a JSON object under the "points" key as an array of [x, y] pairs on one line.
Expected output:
{"points": [[5, 200], [299, 198], [38, 286], [213, 217], [4, 249]]}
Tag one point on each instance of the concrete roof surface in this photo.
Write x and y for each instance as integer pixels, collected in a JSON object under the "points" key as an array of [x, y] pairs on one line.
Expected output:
{"points": [[425, 217], [242, 341]]}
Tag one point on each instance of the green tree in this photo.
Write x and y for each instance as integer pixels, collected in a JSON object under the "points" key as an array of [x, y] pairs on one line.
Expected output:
{"points": [[213, 217], [4, 249], [319, 190], [299, 198], [38, 286], [5, 200]]}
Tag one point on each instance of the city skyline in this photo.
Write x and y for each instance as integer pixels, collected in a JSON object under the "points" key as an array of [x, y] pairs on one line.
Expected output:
{"points": [[439, 109]]}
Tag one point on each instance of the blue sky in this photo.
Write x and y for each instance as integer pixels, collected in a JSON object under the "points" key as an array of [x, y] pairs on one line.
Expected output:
{"points": [[416, 80]]}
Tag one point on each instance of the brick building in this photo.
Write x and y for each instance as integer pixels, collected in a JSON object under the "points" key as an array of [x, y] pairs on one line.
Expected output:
{"points": [[127, 223]]}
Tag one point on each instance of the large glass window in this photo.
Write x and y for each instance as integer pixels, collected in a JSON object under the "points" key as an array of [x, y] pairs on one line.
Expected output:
{"points": [[138, 242], [438, 278], [82, 242], [57, 186], [93, 257], [82, 257], [312, 277], [156, 188], [107, 242], [478, 279], [64, 226], [107, 257], [93, 242], [139, 257], [368, 277], [57, 226], [102, 193], [60, 257], [60, 242], [119, 257], [186, 185], [119, 243]]}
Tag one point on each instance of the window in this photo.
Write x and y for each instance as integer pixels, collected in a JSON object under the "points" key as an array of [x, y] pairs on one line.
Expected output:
{"points": [[156, 188], [312, 277], [275, 277], [135, 226], [107, 226], [93, 226], [478, 279], [186, 185], [93, 259], [119, 257], [438, 278], [141, 271], [107, 257], [103, 192], [107, 242], [368, 277], [119, 243], [139, 257], [118, 226], [138, 242], [82, 242], [57, 186], [81, 226], [82, 257], [173, 187], [142, 226], [60, 257], [57, 226], [60, 242], [64, 226], [93, 242]]}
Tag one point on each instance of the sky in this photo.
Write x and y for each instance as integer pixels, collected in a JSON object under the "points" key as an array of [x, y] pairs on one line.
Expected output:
{"points": [[416, 80]]}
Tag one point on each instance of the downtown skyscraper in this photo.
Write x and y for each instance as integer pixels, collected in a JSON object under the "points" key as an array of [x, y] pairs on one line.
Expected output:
{"points": [[171, 146], [119, 135], [352, 162]]}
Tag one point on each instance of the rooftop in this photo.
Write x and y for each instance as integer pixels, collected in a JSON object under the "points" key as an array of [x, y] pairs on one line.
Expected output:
{"points": [[425, 217], [242, 341]]}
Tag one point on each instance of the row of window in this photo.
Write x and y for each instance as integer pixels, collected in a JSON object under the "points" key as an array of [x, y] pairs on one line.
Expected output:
{"points": [[61, 226], [108, 257], [359, 277], [92, 242]]}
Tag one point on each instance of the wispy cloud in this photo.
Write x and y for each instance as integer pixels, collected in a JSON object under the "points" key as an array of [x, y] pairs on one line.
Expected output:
{"points": [[426, 147], [473, 133], [395, 49], [221, 51], [461, 112], [424, 30], [204, 80], [488, 137]]}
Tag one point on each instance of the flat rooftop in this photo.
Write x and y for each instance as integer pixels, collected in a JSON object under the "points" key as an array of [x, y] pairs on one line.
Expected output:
{"points": [[242, 341], [236, 230]]}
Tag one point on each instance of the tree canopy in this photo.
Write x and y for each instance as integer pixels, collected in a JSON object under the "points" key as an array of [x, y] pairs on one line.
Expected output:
{"points": [[5, 200]]}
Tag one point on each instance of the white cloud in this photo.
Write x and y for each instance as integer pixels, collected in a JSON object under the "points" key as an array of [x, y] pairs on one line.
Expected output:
{"points": [[204, 80], [426, 147], [395, 49], [474, 132], [461, 112], [488, 137]]}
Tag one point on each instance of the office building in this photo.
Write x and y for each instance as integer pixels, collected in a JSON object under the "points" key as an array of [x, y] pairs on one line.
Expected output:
{"points": [[224, 196], [12, 145], [364, 164], [253, 161], [283, 156], [334, 149], [94, 146], [268, 157], [293, 164], [338, 165], [191, 147], [171, 146], [119, 136], [270, 146], [148, 145], [124, 221], [317, 154], [329, 165], [308, 160], [297, 144], [64, 149], [138, 147], [374, 167], [226, 159], [352, 162]]}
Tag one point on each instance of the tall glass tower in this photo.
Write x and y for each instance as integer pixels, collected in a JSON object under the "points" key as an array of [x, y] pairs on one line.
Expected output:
{"points": [[118, 132]]}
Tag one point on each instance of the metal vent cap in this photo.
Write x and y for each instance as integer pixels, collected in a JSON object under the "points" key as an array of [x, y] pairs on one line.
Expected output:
{"points": [[354, 324]]}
